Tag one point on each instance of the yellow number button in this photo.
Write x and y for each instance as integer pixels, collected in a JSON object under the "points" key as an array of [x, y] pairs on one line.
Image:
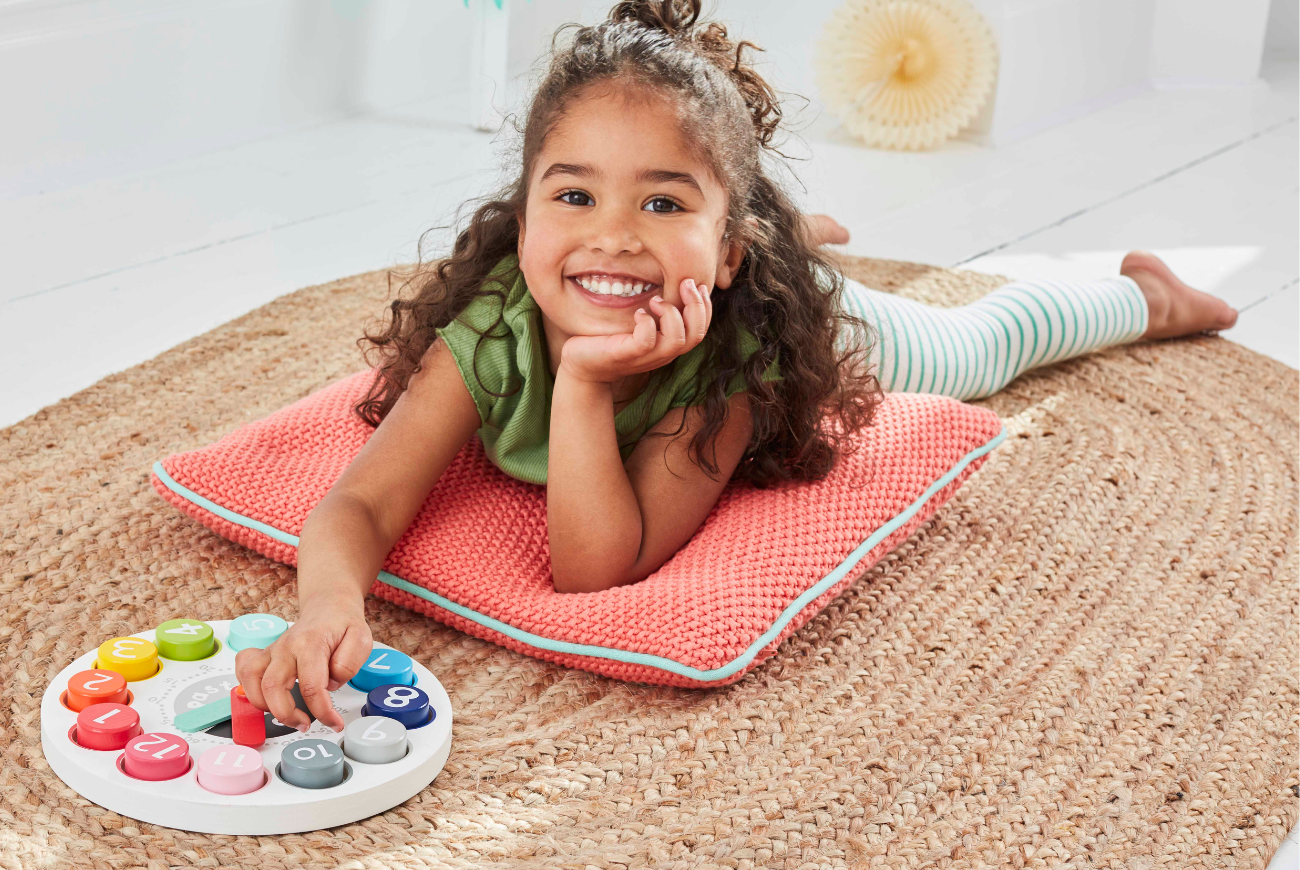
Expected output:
{"points": [[133, 657]]}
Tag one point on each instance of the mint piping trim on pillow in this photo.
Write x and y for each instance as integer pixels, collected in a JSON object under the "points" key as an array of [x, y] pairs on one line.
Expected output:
{"points": [[666, 664]]}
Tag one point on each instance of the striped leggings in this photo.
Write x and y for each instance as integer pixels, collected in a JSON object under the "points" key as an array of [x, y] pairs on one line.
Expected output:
{"points": [[975, 350]]}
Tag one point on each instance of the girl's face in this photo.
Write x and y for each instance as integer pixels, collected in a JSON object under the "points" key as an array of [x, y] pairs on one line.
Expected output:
{"points": [[616, 197]]}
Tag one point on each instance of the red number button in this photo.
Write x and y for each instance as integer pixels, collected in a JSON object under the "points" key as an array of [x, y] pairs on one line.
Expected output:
{"points": [[156, 756], [95, 687], [107, 726]]}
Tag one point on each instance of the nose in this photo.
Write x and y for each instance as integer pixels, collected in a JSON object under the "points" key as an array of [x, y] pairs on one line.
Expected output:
{"points": [[612, 233]]}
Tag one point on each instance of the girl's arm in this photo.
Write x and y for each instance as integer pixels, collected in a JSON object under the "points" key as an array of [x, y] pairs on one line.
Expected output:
{"points": [[348, 534], [610, 525]]}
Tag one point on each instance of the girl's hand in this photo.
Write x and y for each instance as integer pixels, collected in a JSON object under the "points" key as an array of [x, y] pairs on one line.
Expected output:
{"points": [[322, 651], [609, 358]]}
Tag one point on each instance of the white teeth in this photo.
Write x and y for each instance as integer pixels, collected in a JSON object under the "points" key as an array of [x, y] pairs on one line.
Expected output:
{"points": [[615, 288]]}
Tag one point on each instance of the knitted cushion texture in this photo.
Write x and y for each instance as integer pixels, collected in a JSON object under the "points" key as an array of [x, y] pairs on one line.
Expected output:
{"points": [[476, 557]]}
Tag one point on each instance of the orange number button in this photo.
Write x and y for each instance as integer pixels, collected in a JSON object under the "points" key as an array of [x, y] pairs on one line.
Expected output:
{"points": [[133, 657], [95, 687]]}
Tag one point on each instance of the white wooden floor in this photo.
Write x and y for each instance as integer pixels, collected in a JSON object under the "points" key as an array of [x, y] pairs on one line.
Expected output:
{"points": [[106, 274]]}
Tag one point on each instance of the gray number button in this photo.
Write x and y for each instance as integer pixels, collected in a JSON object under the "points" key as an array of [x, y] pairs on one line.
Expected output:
{"points": [[312, 763], [375, 740]]}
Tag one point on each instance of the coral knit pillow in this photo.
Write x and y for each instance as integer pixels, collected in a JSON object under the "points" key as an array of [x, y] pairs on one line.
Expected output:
{"points": [[764, 562]]}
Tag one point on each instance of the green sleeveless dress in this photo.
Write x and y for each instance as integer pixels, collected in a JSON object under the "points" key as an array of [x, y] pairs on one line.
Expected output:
{"points": [[515, 429]]}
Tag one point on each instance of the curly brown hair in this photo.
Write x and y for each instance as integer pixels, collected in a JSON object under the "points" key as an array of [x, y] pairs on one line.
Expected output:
{"points": [[786, 292]]}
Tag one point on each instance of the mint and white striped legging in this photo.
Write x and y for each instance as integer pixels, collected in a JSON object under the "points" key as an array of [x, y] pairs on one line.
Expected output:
{"points": [[974, 350]]}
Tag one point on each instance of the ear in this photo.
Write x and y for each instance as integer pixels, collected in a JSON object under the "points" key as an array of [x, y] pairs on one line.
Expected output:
{"points": [[519, 246], [730, 256]]}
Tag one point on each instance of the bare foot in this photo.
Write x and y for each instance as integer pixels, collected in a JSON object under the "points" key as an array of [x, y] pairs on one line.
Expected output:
{"points": [[1175, 309], [824, 230]]}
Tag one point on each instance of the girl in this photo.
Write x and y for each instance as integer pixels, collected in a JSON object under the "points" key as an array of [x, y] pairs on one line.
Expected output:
{"points": [[640, 318]]}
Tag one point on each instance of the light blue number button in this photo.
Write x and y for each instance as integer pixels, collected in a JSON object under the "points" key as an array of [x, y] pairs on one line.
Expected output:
{"points": [[256, 630], [384, 667]]}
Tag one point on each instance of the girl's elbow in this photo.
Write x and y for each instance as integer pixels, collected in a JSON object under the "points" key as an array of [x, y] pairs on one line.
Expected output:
{"points": [[589, 580]]}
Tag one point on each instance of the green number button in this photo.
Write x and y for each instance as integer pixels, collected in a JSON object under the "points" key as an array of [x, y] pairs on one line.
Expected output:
{"points": [[184, 640]]}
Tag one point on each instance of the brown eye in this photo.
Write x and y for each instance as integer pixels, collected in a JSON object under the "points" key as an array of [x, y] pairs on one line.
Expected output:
{"points": [[577, 193], [663, 199]]}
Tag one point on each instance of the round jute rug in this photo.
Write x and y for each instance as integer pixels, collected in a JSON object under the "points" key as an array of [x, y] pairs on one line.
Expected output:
{"points": [[1088, 658]]}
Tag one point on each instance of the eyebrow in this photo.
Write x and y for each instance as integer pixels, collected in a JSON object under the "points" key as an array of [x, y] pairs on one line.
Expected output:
{"points": [[662, 176]]}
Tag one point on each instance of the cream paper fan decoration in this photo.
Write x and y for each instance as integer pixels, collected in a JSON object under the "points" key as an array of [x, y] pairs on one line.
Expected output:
{"points": [[906, 73]]}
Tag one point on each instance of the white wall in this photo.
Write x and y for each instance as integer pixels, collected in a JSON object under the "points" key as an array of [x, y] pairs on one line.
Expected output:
{"points": [[1202, 43], [96, 87], [102, 86], [1283, 30]]}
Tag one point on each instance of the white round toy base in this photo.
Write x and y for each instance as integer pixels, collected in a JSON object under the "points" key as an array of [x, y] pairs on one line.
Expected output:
{"points": [[277, 807]]}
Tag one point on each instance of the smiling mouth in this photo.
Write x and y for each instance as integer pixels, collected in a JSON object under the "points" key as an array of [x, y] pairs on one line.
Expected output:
{"points": [[601, 292], [606, 285]]}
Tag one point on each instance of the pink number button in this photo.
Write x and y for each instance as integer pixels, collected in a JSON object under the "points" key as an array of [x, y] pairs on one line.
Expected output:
{"points": [[231, 769], [107, 726], [156, 756]]}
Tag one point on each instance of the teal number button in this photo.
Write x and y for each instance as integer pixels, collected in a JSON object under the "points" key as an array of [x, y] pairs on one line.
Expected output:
{"points": [[255, 630], [384, 667]]}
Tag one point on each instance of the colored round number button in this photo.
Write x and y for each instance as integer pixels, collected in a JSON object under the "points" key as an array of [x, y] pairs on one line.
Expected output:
{"points": [[95, 687], [133, 657], [312, 763], [184, 640], [231, 769], [375, 740], [255, 631], [107, 726], [156, 756], [384, 667], [406, 704]]}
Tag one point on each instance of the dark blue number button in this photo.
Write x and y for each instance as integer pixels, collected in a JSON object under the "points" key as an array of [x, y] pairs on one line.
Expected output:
{"points": [[406, 704]]}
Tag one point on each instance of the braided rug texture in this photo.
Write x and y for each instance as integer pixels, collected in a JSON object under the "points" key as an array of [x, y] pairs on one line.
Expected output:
{"points": [[1087, 658]]}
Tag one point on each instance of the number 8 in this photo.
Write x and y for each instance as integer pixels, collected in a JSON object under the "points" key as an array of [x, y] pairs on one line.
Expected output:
{"points": [[393, 698]]}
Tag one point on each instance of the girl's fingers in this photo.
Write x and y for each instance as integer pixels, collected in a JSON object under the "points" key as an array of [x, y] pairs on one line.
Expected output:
{"points": [[645, 331], [250, 664], [349, 655], [277, 689], [313, 675], [670, 324], [698, 314]]}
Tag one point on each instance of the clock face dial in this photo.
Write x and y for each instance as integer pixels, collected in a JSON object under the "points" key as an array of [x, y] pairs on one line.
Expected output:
{"points": [[143, 725], [207, 689]]}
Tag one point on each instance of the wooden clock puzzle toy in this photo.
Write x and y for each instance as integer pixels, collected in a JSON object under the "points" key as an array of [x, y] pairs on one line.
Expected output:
{"points": [[155, 727]]}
